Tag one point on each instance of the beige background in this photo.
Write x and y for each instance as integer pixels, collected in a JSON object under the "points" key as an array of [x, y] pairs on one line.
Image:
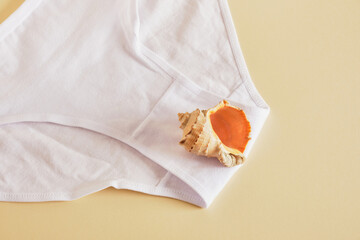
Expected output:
{"points": [[302, 180]]}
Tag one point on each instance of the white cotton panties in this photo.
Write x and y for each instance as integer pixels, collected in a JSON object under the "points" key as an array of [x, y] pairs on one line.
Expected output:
{"points": [[90, 92]]}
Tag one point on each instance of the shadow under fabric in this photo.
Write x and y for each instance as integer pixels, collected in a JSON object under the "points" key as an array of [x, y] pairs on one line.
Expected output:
{"points": [[91, 91]]}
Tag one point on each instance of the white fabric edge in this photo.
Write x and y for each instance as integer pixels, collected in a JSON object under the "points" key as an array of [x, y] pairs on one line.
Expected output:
{"points": [[17, 17], [117, 184], [239, 57]]}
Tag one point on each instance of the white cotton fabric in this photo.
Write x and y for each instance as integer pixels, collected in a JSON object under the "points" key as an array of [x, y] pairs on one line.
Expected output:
{"points": [[90, 92]]}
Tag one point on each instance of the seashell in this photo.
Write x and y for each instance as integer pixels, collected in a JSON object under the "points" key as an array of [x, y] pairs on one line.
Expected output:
{"points": [[222, 132]]}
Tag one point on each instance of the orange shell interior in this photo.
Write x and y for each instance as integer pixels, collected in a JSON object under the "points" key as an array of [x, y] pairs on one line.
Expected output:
{"points": [[231, 126]]}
